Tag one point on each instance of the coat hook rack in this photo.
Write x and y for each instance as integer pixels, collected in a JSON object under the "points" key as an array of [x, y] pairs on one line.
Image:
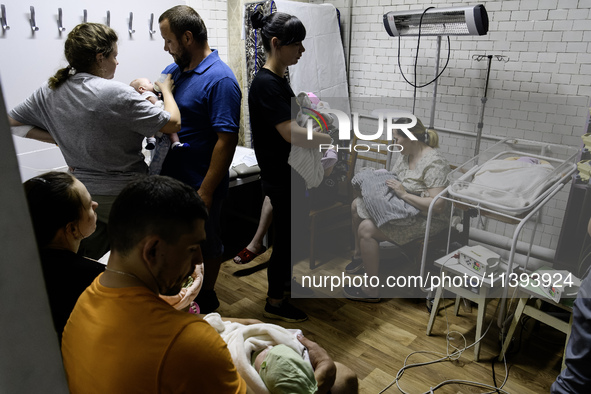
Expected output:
{"points": [[109, 18], [152, 31], [60, 25], [3, 18], [34, 27], [85, 16], [130, 30]]}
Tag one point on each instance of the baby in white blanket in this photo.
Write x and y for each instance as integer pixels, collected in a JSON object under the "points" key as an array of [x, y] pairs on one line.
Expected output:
{"points": [[246, 341], [310, 163]]}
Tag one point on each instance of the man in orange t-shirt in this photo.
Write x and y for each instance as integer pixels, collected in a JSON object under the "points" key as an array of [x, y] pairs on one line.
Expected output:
{"points": [[121, 336]]}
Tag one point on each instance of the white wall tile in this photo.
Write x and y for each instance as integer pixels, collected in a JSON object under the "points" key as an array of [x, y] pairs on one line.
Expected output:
{"points": [[215, 16]]}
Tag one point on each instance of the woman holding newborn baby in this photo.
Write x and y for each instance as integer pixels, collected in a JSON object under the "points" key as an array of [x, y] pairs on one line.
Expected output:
{"points": [[274, 131], [422, 174], [98, 123]]}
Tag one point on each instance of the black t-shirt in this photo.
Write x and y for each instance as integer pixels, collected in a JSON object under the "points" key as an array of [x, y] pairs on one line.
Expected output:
{"points": [[270, 103], [66, 276]]}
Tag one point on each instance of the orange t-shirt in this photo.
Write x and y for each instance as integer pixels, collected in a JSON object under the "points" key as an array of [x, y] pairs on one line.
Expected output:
{"points": [[128, 340]]}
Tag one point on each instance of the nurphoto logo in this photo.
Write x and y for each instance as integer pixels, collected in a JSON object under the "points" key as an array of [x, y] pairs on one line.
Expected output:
{"points": [[345, 128]]}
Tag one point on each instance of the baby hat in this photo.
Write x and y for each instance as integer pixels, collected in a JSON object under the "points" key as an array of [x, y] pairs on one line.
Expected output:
{"points": [[284, 371]]}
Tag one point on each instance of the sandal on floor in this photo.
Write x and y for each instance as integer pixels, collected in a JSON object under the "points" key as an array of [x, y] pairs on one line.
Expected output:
{"points": [[246, 256], [357, 294]]}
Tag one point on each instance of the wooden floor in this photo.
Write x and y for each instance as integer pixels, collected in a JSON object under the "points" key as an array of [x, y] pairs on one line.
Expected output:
{"points": [[375, 339]]}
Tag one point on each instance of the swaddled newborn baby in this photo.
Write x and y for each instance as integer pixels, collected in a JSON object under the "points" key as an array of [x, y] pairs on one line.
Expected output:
{"points": [[284, 371], [311, 163], [247, 342]]}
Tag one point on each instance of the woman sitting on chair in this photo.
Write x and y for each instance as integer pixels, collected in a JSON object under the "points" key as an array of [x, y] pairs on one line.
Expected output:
{"points": [[422, 173], [63, 214]]}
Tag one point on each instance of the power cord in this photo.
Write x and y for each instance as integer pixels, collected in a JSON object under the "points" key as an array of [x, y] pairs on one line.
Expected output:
{"points": [[455, 355], [524, 319], [415, 85]]}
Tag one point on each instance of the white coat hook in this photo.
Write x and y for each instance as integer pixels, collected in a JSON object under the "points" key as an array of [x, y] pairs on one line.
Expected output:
{"points": [[152, 31], [85, 16], [130, 30], [3, 18], [34, 27], [60, 24], [109, 18]]}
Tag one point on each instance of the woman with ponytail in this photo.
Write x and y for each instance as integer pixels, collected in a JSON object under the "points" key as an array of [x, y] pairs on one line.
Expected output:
{"points": [[98, 123], [274, 131], [63, 214], [422, 174]]}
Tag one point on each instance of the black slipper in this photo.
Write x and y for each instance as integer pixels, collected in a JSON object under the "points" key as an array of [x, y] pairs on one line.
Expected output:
{"points": [[356, 294]]}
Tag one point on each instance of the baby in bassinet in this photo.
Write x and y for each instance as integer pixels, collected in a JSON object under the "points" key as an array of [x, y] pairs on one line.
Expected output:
{"points": [[513, 182]]}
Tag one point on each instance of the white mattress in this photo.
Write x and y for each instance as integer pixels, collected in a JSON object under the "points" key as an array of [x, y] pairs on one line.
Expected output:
{"points": [[321, 69]]}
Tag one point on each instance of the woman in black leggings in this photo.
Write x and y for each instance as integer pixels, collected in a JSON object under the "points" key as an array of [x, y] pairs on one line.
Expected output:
{"points": [[274, 130]]}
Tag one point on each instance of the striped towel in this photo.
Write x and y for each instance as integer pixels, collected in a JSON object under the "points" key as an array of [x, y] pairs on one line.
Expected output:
{"points": [[307, 163]]}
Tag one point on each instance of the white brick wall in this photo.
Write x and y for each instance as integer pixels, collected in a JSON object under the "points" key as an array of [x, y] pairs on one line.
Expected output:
{"points": [[215, 16], [548, 44], [546, 40]]}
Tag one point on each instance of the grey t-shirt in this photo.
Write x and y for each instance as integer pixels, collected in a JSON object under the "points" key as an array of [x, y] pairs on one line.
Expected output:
{"points": [[99, 125]]}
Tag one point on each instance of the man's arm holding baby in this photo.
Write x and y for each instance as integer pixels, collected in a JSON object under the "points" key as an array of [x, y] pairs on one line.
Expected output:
{"points": [[325, 370]]}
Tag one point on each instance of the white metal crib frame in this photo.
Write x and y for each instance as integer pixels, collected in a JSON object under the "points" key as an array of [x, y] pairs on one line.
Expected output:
{"points": [[511, 216]]}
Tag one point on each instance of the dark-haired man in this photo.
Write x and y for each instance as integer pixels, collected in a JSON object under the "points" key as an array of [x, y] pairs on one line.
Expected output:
{"points": [[121, 336], [208, 96]]}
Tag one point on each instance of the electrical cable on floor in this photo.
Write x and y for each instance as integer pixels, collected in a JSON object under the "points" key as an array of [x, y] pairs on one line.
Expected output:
{"points": [[515, 351], [455, 355], [494, 378]]}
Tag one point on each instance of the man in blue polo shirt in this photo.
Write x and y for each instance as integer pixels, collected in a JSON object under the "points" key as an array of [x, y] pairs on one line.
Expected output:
{"points": [[208, 97]]}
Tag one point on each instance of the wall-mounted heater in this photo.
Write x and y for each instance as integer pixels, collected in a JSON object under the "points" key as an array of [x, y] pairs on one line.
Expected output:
{"points": [[454, 21]]}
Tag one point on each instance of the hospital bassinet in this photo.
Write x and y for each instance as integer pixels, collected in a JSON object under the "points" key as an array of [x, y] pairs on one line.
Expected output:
{"points": [[505, 178]]}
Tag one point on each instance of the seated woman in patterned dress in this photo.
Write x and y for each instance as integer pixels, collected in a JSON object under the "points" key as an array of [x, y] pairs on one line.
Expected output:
{"points": [[422, 173]]}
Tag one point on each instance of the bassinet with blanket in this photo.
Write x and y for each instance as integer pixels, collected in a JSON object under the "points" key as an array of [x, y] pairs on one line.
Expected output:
{"points": [[512, 175]]}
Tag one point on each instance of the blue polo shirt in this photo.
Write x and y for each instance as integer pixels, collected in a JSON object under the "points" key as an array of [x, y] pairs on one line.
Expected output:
{"points": [[209, 100]]}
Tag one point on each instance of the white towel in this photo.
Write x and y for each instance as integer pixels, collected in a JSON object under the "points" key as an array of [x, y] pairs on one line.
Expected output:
{"points": [[322, 67]]}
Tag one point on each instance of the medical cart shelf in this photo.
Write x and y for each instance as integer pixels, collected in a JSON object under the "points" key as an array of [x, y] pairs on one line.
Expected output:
{"points": [[486, 288], [515, 217]]}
